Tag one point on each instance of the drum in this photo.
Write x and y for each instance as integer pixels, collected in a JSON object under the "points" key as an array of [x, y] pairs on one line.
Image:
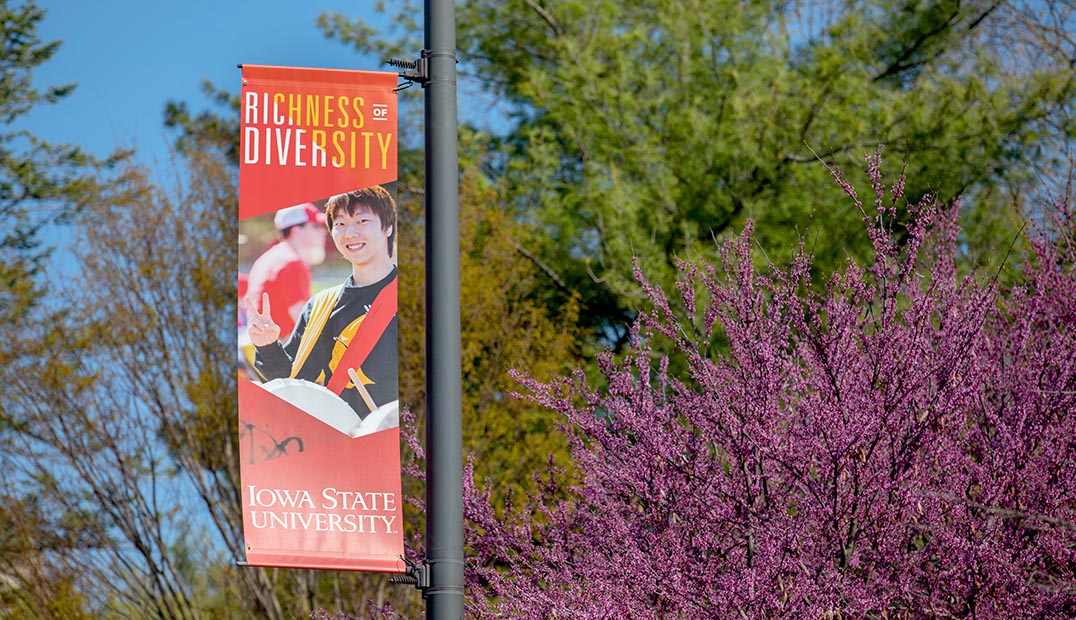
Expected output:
{"points": [[317, 401]]}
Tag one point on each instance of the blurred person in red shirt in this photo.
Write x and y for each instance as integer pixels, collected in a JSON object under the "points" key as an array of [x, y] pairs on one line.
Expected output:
{"points": [[283, 271]]}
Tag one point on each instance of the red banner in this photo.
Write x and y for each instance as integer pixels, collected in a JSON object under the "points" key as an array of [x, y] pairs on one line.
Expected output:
{"points": [[311, 133], [318, 380]]}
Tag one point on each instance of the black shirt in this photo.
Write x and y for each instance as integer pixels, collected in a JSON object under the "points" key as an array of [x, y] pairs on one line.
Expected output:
{"points": [[379, 371]]}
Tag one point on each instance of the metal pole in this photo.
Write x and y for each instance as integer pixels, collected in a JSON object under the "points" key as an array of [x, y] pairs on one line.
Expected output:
{"points": [[444, 435]]}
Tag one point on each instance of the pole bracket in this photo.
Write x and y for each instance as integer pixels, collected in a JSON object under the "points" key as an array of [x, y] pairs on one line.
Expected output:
{"points": [[417, 575], [414, 71]]}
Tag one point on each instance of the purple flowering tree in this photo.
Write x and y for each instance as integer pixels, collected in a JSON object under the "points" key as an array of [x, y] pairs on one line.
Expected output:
{"points": [[901, 445]]}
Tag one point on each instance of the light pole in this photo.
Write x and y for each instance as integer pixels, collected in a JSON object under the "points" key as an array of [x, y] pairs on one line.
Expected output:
{"points": [[444, 435]]}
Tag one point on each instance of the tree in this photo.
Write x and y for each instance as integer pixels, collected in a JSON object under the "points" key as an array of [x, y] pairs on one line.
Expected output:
{"points": [[646, 129], [895, 446], [503, 327], [36, 178], [109, 423], [39, 183]]}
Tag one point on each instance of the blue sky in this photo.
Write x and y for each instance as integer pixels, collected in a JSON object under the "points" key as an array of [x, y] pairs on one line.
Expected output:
{"points": [[130, 57]]}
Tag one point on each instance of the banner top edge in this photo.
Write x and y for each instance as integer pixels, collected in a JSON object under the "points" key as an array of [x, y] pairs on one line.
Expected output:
{"points": [[253, 71]]}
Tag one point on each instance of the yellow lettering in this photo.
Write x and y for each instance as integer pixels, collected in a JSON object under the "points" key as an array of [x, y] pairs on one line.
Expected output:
{"points": [[295, 108], [366, 147], [338, 159], [343, 119], [312, 110], [384, 140], [327, 103], [356, 104]]}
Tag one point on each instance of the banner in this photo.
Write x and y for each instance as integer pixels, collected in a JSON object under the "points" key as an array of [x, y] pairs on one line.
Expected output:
{"points": [[319, 434]]}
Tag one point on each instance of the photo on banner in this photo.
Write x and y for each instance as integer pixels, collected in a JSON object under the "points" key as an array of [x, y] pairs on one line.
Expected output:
{"points": [[317, 320]]}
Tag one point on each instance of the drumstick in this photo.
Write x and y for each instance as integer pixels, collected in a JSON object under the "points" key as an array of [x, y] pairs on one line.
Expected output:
{"points": [[361, 388]]}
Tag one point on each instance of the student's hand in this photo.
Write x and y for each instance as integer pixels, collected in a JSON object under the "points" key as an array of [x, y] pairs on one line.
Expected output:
{"points": [[261, 328]]}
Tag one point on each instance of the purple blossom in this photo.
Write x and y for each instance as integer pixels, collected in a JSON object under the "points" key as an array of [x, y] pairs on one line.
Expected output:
{"points": [[899, 445]]}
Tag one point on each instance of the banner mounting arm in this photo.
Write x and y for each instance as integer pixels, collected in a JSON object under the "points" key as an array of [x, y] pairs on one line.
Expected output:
{"points": [[416, 71], [417, 575]]}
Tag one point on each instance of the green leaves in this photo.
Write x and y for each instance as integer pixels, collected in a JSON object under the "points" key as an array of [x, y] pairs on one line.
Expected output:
{"points": [[650, 127]]}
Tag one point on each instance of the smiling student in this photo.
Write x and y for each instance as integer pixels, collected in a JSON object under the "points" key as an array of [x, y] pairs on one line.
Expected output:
{"points": [[345, 338]]}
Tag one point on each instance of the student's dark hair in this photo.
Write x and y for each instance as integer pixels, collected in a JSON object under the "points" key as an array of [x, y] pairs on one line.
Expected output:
{"points": [[375, 198]]}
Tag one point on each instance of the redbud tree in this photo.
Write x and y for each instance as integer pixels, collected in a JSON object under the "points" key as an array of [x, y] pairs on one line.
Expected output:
{"points": [[898, 441]]}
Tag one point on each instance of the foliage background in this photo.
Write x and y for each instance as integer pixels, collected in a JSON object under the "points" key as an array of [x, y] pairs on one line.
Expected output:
{"points": [[630, 137]]}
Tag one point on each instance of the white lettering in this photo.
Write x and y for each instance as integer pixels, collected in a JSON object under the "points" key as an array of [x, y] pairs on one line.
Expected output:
{"points": [[250, 146], [250, 108]]}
